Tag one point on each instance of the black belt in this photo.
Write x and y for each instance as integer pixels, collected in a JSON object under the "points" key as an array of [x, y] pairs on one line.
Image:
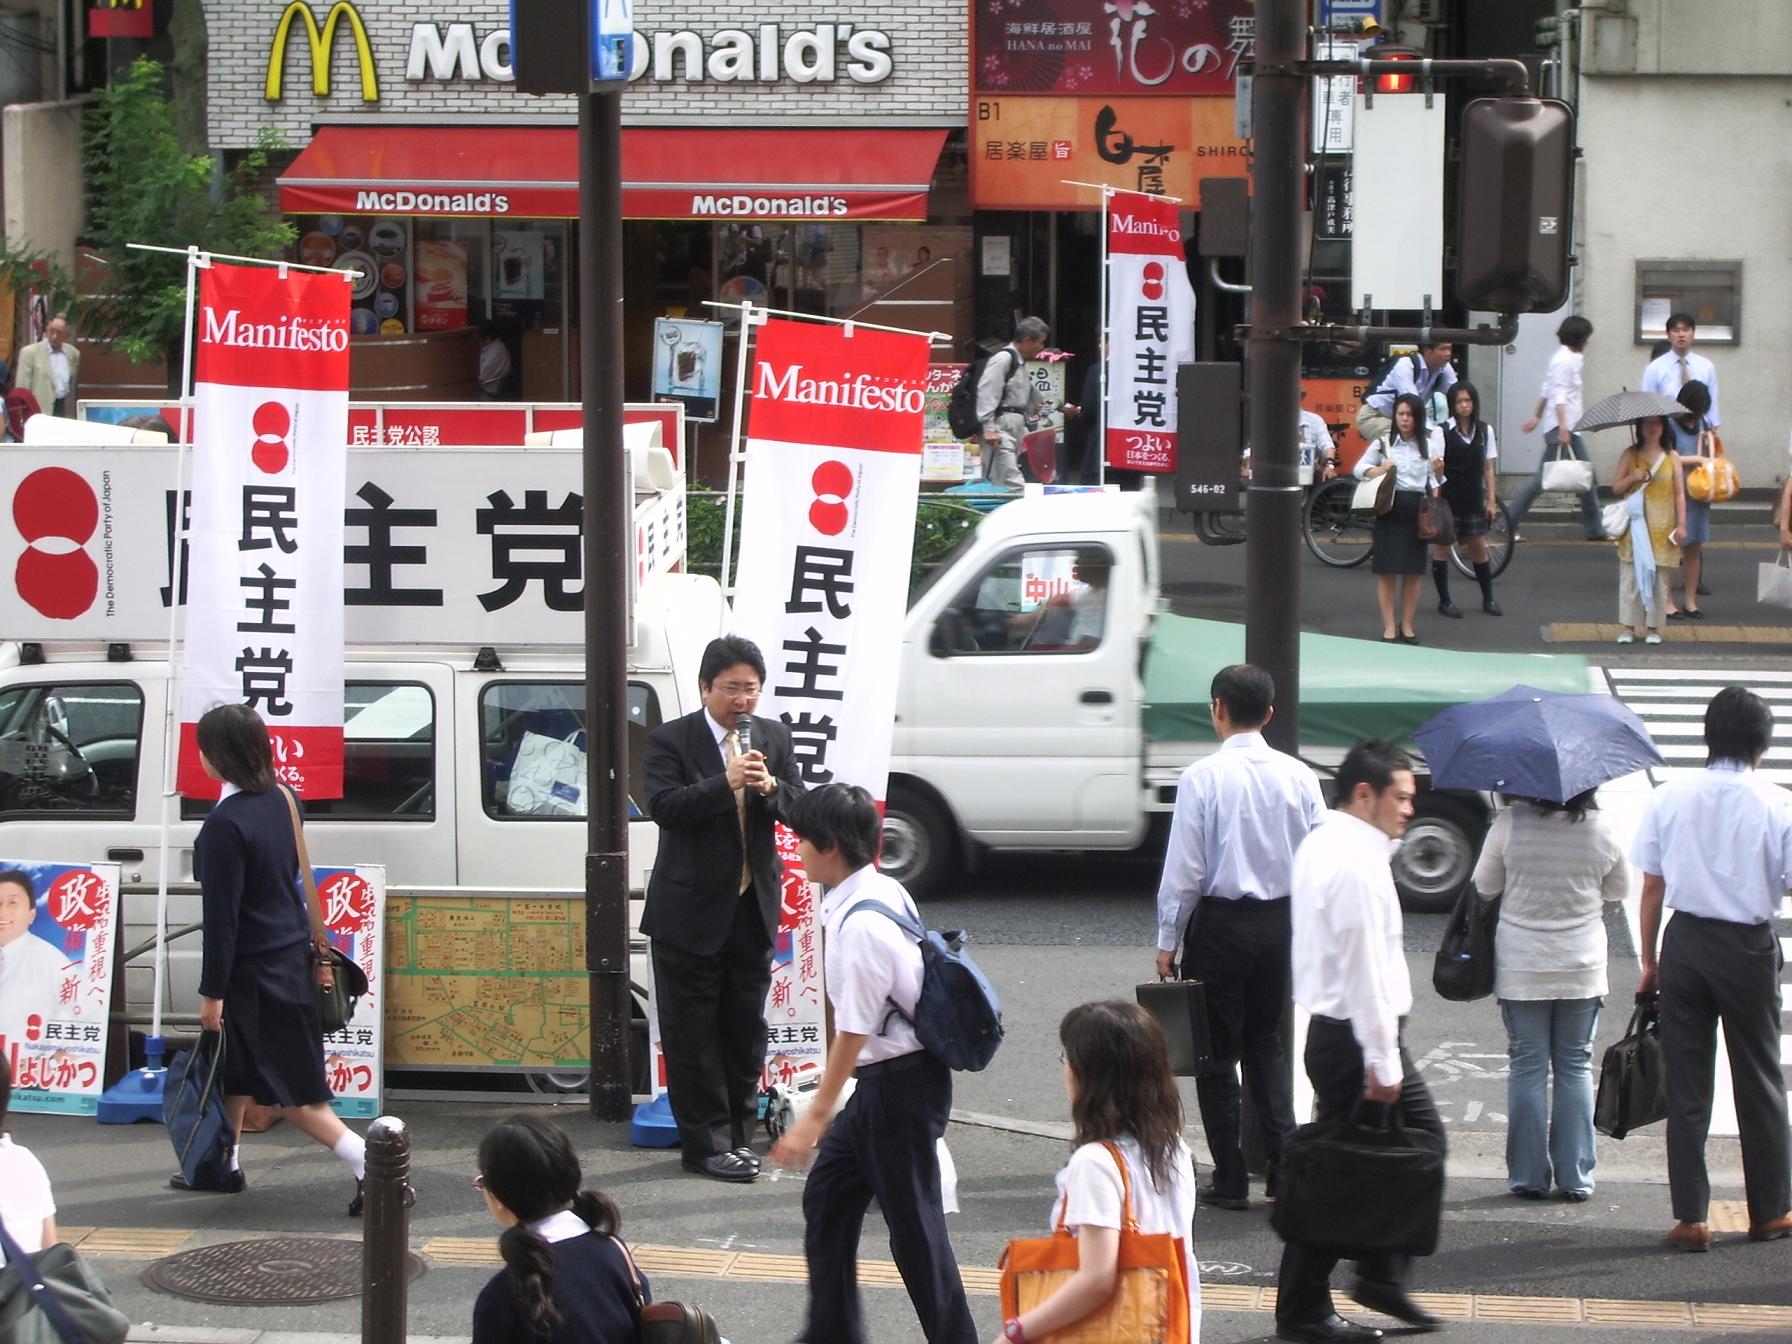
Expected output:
{"points": [[1323, 1020], [1713, 919], [914, 1060]]}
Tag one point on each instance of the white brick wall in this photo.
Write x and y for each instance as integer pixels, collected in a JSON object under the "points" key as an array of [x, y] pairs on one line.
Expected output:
{"points": [[926, 85]]}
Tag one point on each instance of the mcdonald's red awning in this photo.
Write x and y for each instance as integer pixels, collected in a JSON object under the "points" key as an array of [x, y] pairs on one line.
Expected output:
{"points": [[667, 172]]}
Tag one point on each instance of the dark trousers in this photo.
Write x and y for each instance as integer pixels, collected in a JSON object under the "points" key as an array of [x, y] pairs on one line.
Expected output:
{"points": [[1714, 970], [881, 1146], [712, 1024], [1335, 1064], [1239, 950]]}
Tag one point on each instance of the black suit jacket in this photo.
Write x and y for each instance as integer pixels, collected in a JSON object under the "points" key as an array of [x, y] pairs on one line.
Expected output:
{"points": [[696, 875]]}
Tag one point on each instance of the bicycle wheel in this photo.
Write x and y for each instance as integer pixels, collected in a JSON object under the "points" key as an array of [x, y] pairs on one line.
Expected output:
{"points": [[1500, 543], [1340, 538]]}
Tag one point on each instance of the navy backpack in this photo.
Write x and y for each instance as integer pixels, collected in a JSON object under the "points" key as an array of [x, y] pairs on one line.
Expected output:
{"points": [[958, 1018]]}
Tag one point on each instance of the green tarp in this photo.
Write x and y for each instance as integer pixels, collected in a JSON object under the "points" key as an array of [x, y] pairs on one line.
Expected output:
{"points": [[1349, 688]]}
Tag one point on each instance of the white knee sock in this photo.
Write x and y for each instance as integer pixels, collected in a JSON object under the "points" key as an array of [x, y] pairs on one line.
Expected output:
{"points": [[352, 1149], [235, 1149]]}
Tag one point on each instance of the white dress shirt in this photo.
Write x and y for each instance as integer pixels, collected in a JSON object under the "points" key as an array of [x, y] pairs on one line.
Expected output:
{"points": [[871, 963], [31, 972], [1240, 815], [1412, 468], [1562, 387], [1721, 840], [1315, 438], [1667, 376], [59, 373], [1401, 380], [1348, 959]]}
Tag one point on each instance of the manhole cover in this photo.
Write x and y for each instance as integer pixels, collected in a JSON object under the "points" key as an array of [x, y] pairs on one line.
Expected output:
{"points": [[277, 1271]]}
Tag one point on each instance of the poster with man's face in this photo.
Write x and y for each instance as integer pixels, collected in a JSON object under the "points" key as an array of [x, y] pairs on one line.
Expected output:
{"points": [[56, 945]]}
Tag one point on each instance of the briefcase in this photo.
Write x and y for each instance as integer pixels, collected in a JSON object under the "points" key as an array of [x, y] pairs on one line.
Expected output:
{"points": [[1633, 1076], [1180, 1007], [1351, 1187]]}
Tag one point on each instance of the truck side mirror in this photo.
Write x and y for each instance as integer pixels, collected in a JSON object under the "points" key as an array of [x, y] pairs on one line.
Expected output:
{"points": [[1515, 209]]}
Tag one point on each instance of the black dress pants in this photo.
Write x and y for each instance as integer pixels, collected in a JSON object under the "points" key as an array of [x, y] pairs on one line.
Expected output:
{"points": [[712, 1025], [1240, 951], [1335, 1065], [881, 1146]]}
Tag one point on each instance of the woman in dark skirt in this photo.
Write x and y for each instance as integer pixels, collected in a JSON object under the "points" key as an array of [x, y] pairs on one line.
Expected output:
{"points": [[259, 973], [1416, 457], [1471, 461]]}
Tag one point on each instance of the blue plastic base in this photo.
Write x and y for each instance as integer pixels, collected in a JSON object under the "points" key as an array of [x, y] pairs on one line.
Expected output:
{"points": [[653, 1125], [138, 1095]]}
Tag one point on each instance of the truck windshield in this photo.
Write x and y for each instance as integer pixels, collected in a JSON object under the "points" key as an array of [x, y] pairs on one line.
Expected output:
{"points": [[940, 566]]}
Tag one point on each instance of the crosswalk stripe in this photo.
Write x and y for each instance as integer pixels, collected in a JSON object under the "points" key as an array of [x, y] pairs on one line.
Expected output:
{"points": [[1723, 676]]}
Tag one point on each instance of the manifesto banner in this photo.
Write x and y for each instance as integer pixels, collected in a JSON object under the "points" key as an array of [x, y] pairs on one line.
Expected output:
{"points": [[354, 907], [56, 933], [1151, 329], [264, 595], [1104, 48]]}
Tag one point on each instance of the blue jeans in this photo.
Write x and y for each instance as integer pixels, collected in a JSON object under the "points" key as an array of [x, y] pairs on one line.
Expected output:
{"points": [[1589, 502], [1541, 1035]]}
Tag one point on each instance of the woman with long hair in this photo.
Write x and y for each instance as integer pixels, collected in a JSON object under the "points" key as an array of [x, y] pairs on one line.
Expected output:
{"points": [[1117, 1073], [567, 1277], [1471, 464], [1649, 482], [1553, 865], [1415, 455], [259, 971], [1689, 444]]}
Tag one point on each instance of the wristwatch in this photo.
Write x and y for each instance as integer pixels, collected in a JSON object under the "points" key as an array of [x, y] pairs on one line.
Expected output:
{"points": [[1012, 1332]]}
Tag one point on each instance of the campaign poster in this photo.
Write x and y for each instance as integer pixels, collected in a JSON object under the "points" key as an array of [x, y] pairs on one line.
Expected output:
{"points": [[56, 949], [354, 909], [1150, 329], [265, 542]]}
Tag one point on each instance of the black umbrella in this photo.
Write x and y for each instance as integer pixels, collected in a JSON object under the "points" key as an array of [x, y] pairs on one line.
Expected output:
{"points": [[1626, 408]]}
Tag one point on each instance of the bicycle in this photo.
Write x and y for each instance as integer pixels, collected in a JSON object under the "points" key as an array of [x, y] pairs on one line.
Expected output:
{"points": [[1343, 539]]}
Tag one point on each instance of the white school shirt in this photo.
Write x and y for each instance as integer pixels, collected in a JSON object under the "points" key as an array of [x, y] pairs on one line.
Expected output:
{"points": [[1315, 438], [1240, 815], [1095, 1196], [1721, 841], [1400, 380], [1562, 387], [1664, 376], [870, 961], [25, 1199], [1412, 469], [1348, 959]]}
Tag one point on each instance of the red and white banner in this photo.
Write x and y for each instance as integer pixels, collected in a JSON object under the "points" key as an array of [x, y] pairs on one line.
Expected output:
{"points": [[264, 594], [1151, 330]]}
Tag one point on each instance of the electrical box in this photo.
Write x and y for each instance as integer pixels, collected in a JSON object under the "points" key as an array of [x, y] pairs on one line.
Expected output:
{"points": [[1209, 437], [1515, 209], [550, 45]]}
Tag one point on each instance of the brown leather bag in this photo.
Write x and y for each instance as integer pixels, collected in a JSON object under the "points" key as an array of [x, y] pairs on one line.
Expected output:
{"points": [[1436, 524]]}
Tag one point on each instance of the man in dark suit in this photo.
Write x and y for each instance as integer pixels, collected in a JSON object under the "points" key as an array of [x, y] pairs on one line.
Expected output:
{"points": [[712, 903]]}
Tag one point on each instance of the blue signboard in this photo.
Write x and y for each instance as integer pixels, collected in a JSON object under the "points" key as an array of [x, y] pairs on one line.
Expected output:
{"points": [[1332, 10]]}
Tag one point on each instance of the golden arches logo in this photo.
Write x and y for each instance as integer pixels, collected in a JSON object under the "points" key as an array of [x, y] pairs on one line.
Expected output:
{"points": [[322, 42]]}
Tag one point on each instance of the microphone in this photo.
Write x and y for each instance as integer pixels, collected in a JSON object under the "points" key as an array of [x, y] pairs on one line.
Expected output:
{"points": [[743, 733]]}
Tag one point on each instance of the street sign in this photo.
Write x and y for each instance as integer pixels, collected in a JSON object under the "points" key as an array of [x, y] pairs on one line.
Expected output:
{"points": [[612, 31], [1331, 11]]}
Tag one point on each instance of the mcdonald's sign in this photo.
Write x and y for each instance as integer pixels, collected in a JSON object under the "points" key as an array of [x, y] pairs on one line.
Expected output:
{"points": [[322, 42], [122, 18]]}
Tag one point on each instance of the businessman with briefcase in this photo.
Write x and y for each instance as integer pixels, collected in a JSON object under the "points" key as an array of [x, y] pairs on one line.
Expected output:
{"points": [[1350, 975]]}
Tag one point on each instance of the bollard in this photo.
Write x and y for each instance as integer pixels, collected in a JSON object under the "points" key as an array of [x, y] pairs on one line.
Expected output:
{"points": [[386, 1233]]}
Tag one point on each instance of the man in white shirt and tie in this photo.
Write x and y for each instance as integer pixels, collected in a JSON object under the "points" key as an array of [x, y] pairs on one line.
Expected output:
{"points": [[1223, 900], [1717, 848], [1350, 976], [1680, 366]]}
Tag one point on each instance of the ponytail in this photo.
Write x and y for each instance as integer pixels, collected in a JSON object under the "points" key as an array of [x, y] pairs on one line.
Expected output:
{"points": [[599, 1211], [529, 1265]]}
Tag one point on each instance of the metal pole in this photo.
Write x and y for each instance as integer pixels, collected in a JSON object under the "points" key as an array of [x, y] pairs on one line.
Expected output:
{"points": [[606, 600], [386, 1233], [1100, 446], [1273, 498]]}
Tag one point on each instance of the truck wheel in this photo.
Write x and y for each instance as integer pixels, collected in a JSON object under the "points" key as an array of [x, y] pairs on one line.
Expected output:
{"points": [[919, 842], [1437, 856]]}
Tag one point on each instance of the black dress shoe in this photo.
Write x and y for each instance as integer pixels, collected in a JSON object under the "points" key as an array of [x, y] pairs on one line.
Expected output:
{"points": [[1492, 608], [1214, 1199], [1390, 1299], [724, 1167], [1450, 609], [356, 1204], [746, 1154], [234, 1184], [1407, 639], [1332, 1329]]}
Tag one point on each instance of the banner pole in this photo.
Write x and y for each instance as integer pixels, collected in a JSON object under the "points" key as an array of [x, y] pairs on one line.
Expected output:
{"points": [[747, 323], [933, 337], [1101, 350]]}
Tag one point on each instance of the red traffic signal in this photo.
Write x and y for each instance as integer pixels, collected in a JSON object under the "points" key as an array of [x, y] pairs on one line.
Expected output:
{"points": [[1392, 83]]}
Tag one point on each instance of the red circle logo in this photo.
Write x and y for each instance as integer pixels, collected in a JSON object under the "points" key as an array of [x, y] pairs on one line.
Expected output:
{"points": [[272, 422], [348, 904], [832, 483], [79, 900], [56, 513], [1151, 280]]}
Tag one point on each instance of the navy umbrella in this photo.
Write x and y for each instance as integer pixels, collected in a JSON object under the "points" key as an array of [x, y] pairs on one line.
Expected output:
{"points": [[1536, 744]]}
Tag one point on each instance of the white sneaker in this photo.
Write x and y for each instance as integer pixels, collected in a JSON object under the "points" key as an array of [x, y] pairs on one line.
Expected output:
{"points": [[1651, 638], [1627, 638]]}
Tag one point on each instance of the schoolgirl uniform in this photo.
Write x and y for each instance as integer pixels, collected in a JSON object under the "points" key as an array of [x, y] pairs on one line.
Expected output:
{"points": [[883, 1143], [1465, 475], [1398, 549]]}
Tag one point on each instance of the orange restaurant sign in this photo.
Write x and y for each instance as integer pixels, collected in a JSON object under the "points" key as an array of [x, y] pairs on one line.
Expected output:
{"points": [[1022, 149]]}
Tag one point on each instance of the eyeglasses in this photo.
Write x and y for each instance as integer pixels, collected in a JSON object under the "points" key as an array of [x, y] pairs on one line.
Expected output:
{"points": [[479, 1182], [736, 688]]}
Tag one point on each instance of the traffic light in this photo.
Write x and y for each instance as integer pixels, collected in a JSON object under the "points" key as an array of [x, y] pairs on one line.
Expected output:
{"points": [[1514, 212], [550, 42], [1384, 51]]}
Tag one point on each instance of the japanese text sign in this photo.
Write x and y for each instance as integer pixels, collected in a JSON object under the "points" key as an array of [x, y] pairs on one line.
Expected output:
{"points": [[354, 909], [1111, 47], [1151, 330]]}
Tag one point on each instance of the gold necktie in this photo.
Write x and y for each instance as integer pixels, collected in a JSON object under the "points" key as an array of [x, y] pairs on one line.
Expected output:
{"points": [[731, 753]]}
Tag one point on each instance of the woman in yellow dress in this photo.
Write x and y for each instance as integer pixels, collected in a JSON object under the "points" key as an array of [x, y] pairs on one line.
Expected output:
{"points": [[1649, 481]]}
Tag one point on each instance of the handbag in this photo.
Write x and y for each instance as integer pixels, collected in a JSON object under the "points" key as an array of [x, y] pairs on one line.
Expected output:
{"points": [[337, 1000], [1463, 970], [1565, 471], [193, 1114], [1633, 1075], [1376, 493], [1437, 524], [54, 1297], [1773, 582], [1614, 520], [1354, 1189], [1180, 1007], [1149, 1304], [547, 778], [667, 1322], [1714, 480]]}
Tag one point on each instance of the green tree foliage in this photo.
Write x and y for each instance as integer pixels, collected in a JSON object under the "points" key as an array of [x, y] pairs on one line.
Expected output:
{"points": [[143, 188]]}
